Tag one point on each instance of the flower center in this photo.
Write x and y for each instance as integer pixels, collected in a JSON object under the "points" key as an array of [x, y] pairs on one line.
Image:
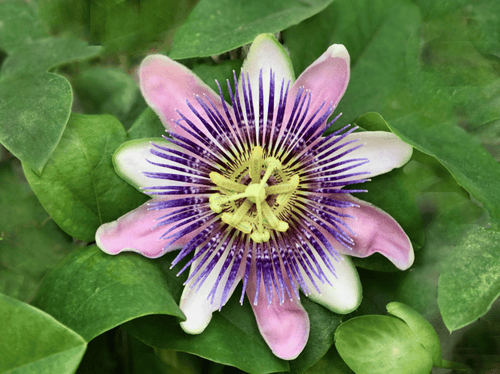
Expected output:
{"points": [[254, 196]]}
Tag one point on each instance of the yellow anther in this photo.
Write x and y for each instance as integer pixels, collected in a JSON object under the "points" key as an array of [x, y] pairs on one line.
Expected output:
{"points": [[239, 215], [272, 220], [215, 204], [282, 226], [272, 162], [243, 226], [260, 237]]}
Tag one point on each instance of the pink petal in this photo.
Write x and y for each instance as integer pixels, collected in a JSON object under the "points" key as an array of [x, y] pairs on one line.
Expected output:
{"points": [[284, 327], [166, 84], [326, 78], [135, 232], [376, 231]]}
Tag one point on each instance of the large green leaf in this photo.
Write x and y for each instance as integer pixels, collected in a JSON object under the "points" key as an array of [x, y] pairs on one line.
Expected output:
{"points": [[33, 113], [470, 281], [79, 187], [231, 338], [380, 344], [34, 342], [32, 243], [472, 167], [380, 73], [215, 27], [354, 23], [92, 292], [133, 26], [65, 17], [44, 54], [19, 24]]}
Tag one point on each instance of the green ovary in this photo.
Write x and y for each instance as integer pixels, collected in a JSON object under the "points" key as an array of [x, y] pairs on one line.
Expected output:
{"points": [[236, 200]]}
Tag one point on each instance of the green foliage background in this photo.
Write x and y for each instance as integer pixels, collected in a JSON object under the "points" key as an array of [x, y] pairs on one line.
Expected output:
{"points": [[426, 70]]}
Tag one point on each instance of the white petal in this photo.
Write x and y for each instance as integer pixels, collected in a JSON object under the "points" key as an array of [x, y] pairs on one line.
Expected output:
{"points": [[384, 150], [194, 302], [266, 53], [130, 161], [345, 293]]}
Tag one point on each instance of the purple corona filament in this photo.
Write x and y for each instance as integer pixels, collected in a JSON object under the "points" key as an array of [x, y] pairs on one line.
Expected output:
{"points": [[277, 227]]}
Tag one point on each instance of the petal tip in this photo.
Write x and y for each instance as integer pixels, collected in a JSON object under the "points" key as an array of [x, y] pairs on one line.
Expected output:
{"points": [[193, 325], [339, 51], [101, 232]]}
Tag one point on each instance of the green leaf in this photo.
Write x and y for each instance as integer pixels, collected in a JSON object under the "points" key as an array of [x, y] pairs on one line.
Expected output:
{"points": [[147, 125], [422, 329], [79, 187], [473, 168], [92, 292], [109, 91], [470, 281], [65, 17], [231, 338], [439, 9], [321, 336], [33, 113], [34, 342], [352, 23], [32, 243], [131, 26], [221, 72], [100, 356], [45, 54], [489, 24], [330, 363], [380, 344], [215, 27], [174, 362], [18, 24], [381, 71]]}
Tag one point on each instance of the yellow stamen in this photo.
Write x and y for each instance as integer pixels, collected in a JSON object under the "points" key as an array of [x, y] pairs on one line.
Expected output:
{"points": [[260, 221], [227, 184], [284, 188], [256, 164]]}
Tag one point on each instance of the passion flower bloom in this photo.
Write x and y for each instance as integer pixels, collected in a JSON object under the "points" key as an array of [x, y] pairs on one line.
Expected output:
{"points": [[251, 191]]}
